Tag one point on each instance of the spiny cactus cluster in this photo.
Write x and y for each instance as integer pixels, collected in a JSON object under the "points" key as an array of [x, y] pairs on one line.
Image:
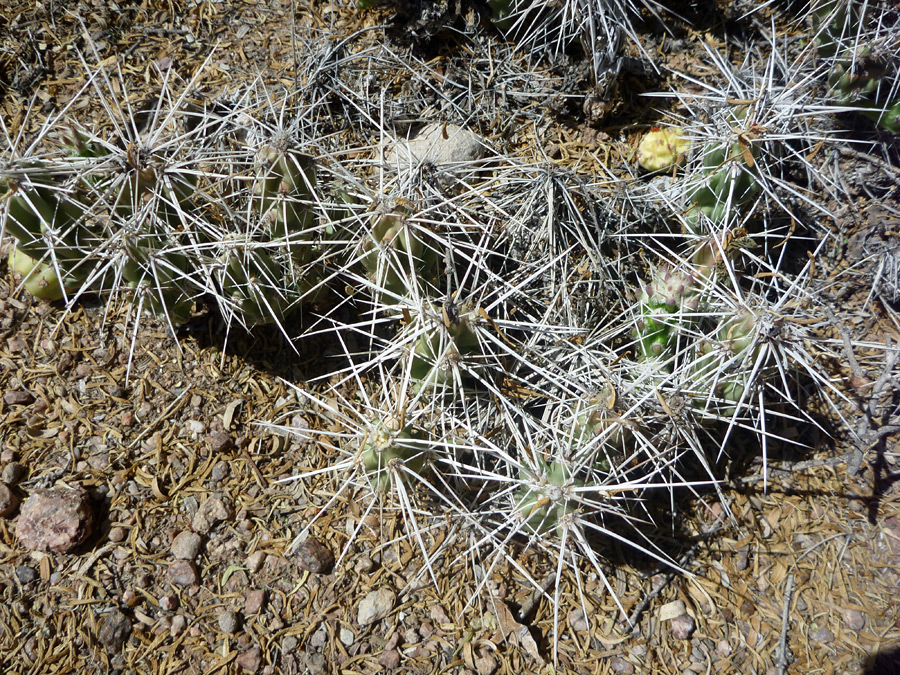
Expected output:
{"points": [[531, 355]]}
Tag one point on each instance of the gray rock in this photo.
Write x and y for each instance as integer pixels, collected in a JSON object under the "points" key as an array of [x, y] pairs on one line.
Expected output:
{"points": [[55, 519], [316, 663], [446, 145], [375, 606], [620, 666], [13, 473], [26, 574], [346, 636], [228, 622], [186, 545], [854, 619], [114, 631], [255, 561]]}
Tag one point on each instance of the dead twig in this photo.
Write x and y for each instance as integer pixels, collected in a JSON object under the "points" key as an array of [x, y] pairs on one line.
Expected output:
{"points": [[783, 656]]}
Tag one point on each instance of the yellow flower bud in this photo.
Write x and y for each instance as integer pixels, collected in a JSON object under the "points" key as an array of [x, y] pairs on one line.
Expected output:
{"points": [[660, 148]]}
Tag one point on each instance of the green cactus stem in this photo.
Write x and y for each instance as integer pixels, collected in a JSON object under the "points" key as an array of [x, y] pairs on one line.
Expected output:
{"points": [[545, 497], [387, 444]]}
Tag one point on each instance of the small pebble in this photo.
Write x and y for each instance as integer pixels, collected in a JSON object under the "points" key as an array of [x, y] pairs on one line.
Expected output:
{"points": [[13, 473], [130, 598], [683, 627], [178, 625], [127, 419], [220, 442], [26, 574], [8, 501], [17, 398], [254, 601], [620, 666], [55, 519], [168, 602], [186, 545], [183, 573], [390, 659], [375, 606], [219, 472], [854, 619], [723, 648], [212, 512], [250, 660], [577, 620], [314, 556], [255, 561], [288, 644], [114, 630], [228, 622], [117, 534], [346, 636], [822, 636]]}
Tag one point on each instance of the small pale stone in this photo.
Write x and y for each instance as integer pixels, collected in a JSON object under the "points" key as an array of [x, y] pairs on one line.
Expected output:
{"points": [[438, 143], [683, 627], [314, 556], [117, 534], [375, 606], [212, 512], [671, 610], [577, 620], [822, 636], [186, 545], [55, 519], [346, 636], [250, 660], [17, 398], [723, 648], [179, 622], [254, 601], [255, 561], [854, 619], [620, 666], [183, 573], [228, 622], [168, 602], [8, 501]]}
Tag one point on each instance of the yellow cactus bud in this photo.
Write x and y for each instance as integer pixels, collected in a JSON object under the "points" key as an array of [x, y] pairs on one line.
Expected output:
{"points": [[661, 148]]}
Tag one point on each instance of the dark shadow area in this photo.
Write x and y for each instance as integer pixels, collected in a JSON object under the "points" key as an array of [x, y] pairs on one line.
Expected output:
{"points": [[884, 663]]}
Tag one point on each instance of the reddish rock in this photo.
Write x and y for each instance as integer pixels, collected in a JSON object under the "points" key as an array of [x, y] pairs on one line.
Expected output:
{"points": [[17, 398], [254, 601], [315, 556], [683, 627], [183, 573], [250, 660], [55, 519], [220, 442]]}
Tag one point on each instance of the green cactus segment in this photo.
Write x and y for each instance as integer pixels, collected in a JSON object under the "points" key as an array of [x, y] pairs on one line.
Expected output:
{"points": [[863, 73], [443, 345], [385, 446], [257, 286], [158, 274], [283, 193], [545, 497], [727, 182], [666, 302], [41, 278], [396, 257], [725, 364]]}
